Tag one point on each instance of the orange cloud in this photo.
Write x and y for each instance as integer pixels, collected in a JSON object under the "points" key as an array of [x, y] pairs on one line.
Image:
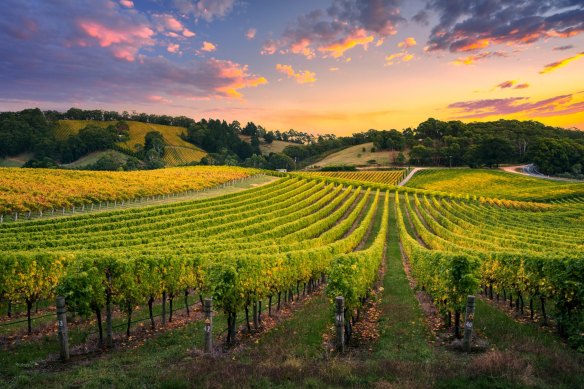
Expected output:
{"points": [[337, 49], [408, 42], [556, 65], [188, 33], [234, 77], [208, 47], [521, 86], [303, 77], [403, 56], [475, 45]]}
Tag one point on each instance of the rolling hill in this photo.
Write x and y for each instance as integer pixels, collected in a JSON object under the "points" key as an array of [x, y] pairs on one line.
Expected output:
{"points": [[355, 155], [178, 151]]}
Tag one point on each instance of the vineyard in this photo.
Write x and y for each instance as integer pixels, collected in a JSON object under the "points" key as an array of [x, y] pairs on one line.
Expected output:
{"points": [[273, 261], [495, 184], [391, 177], [24, 190]]}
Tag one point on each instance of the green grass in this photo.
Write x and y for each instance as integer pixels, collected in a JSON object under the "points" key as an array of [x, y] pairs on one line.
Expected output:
{"points": [[493, 183], [92, 158], [276, 146], [355, 155], [404, 333]]}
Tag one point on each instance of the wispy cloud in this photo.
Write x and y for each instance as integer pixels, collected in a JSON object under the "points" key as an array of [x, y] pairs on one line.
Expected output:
{"points": [[561, 63], [519, 106], [474, 58], [512, 84], [562, 48], [403, 57], [301, 77], [205, 9]]}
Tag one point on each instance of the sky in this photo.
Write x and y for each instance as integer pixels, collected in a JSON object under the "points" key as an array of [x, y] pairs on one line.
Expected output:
{"points": [[321, 66]]}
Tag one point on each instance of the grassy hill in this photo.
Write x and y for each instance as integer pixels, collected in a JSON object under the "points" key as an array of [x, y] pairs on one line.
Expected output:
{"points": [[178, 151], [494, 183], [276, 146], [355, 155]]}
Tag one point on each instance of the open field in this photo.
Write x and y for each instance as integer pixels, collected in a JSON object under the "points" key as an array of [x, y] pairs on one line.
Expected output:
{"points": [[494, 183], [354, 155], [178, 151], [265, 250]]}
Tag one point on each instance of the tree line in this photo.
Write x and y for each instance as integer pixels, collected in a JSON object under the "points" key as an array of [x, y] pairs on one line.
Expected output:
{"points": [[555, 151]]}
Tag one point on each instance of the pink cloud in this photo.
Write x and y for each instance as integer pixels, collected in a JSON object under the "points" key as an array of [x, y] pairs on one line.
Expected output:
{"points": [[554, 106], [125, 40], [301, 77], [166, 21], [173, 48], [127, 3], [251, 33], [158, 99], [188, 33]]}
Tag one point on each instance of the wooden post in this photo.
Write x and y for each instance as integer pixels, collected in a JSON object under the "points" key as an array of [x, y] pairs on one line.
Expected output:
{"points": [[62, 323], [340, 323], [468, 323], [208, 325]]}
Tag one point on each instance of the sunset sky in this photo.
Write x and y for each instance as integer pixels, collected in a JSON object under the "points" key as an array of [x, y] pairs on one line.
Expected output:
{"points": [[323, 66]]}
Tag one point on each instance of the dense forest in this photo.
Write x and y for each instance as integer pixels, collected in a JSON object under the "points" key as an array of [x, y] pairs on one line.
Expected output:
{"points": [[553, 150]]}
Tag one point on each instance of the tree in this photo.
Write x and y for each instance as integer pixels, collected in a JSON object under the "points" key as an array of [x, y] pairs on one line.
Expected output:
{"points": [[280, 161], [269, 137], [255, 145], [154, 140], [494, 151]]}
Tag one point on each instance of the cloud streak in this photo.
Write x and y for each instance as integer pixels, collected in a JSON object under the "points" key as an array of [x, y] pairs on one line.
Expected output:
{"points": [[560, 64], [474, 58], [519, 106]]}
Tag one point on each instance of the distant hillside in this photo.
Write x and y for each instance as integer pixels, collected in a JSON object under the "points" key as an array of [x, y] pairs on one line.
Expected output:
{"points": [[354, 155], [178, 151], [266, 148]]}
